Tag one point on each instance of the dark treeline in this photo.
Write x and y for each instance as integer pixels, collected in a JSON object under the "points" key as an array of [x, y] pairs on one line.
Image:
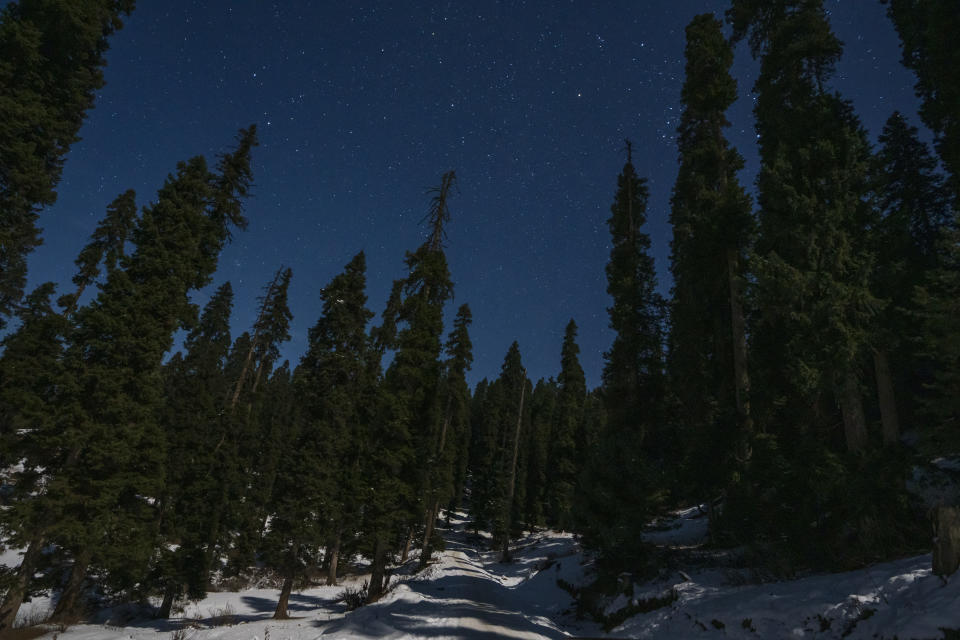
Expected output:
{"points": [[807, 357]]}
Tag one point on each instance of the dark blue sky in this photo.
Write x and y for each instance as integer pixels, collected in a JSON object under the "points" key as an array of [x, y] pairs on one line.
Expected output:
{"points": [[363, 105]]}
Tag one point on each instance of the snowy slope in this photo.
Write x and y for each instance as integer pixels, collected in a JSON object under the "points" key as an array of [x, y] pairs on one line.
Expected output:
{"points": [[467, 594], [900, 599]]}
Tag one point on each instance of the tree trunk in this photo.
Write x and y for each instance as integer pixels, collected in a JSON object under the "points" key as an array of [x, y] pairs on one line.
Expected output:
{"points": [[406, 547], [169, 595], [68, 607], [427, 550], [505, 555], [851, 405], [741, 375], [889, 418], [19, 585], [946, 541], [281, 612], [243, 374], [332, 558], [254, 341], [377, 571]]}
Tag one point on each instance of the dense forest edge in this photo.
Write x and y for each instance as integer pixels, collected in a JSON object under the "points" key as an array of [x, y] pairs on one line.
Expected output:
{"points": [[800, 382]]}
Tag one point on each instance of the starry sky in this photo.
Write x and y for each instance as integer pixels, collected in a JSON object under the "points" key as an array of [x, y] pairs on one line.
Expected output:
{"points": [[361, 106]]}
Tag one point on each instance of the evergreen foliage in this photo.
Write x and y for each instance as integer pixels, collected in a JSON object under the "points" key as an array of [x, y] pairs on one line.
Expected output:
{"points": [[410, 418], [565, 461], [336, 386], [449, 465], [107, 452], [712, 230], [258, 449], [107, 245], [927, 29], [812, 262], [511, 460], [459, 349], [51, 65], [543, 423], [193, 502], [913, 214], [815, 304], [621, 484]]}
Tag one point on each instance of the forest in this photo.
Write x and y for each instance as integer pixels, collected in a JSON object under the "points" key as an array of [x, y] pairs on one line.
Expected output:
{"points": [[804, 365]]}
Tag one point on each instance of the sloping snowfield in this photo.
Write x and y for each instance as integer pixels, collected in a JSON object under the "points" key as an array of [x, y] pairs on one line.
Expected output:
{"points": [[468, 594]]}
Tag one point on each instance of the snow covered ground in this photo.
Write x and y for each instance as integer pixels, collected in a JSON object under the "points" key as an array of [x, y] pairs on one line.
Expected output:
{"points": [[467, 594]]}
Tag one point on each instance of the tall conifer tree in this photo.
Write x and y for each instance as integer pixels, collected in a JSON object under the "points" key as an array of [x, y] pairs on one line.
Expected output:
{"points": [[192, 503], [812, 260], [411, 419], [455, 397], [51, 64], [712, 229], [621, 481], [111, 449], [927, 30], [565, 459], [914, 213], [336, 383], [255, 432]]}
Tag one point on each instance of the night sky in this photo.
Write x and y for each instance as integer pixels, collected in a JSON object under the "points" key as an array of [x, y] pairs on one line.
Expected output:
{"points": [[361, 106]]}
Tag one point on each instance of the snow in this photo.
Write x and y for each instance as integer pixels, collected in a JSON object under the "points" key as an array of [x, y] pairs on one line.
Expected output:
{"points": [[896, 599], [466, 593], [687, 527]]}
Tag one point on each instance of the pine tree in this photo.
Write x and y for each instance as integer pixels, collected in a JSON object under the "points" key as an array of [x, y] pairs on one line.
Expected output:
{"points": [[810, 343], [110, 450], [107, 246], [410, 421], [938, 303], [455, 397], [927, 29], [51, 60], [620, 484], [712, 229], [482, 453], [459, 351], [258, 448], [913, 213], [336, 383], [295, 533], [510, 466], [192, 504], [270, 329], [32, 381], [543, 424], [565, 459], [812, 262]]}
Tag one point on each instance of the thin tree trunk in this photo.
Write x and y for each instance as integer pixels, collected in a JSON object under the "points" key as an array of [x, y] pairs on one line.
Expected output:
{"points": [[333, 557], [169, 595], [406, 547], [377, 571], [253, 342], [851, 406], [243, 373], [505, 555], [889, 418], [741, 375], [431, 516], [281, 612], [20, 584], [68, 607], [256, 379], [427, 550]]}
